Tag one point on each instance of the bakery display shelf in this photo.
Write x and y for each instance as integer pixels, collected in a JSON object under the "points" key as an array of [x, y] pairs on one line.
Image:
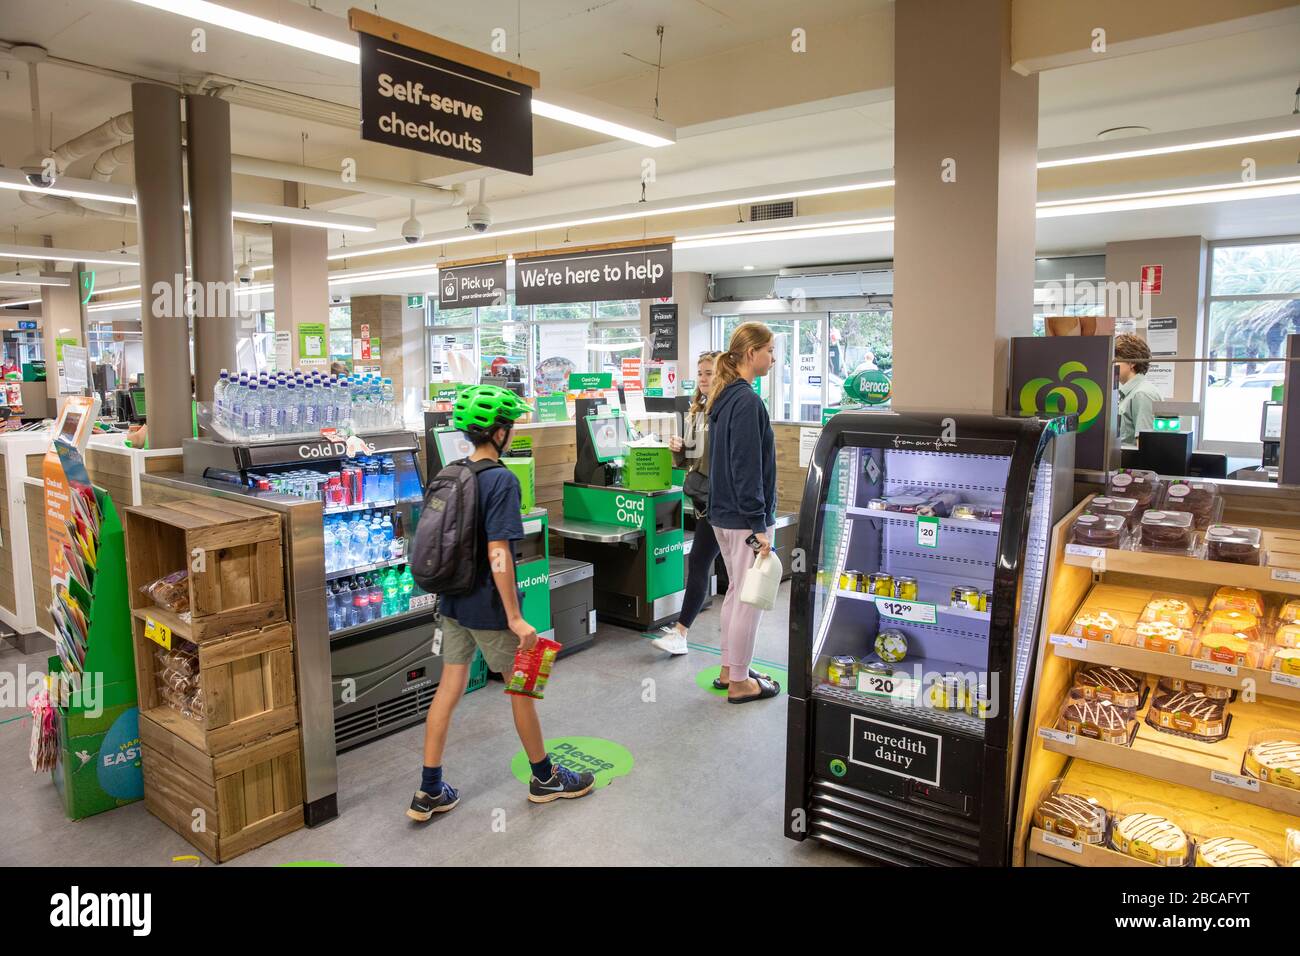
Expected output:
{"points": [[1086, 854], [945, 524], [1265, 682], [1281, 575], [1193, 763], [943, 610]]}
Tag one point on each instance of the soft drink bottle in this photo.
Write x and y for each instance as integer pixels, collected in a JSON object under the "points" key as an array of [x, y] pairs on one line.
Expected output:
{"points": [[406, 586], [376, 597], [396, 547], [392, 593], [360, 602]]}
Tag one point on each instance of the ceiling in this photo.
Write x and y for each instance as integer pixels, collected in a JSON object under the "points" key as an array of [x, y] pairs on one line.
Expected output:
{"points": [[747, 113]]}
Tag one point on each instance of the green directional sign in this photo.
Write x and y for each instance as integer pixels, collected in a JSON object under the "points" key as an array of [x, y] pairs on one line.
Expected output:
{"points": [[585, 381]]}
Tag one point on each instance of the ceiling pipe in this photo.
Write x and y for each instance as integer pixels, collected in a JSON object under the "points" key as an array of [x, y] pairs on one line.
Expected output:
{"points": [[109, 133], [62, 206]]}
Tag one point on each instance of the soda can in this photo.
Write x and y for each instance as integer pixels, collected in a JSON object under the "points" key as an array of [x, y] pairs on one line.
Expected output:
{"points": [[906, 588]]}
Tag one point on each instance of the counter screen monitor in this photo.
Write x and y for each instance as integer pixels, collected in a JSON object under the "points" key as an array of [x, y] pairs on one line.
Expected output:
{"points": [[1271, 426], [453, 445], [609, 436], [138, 412]]}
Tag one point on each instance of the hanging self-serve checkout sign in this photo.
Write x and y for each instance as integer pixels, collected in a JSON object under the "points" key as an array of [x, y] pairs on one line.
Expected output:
{"points": [[427, 94]]}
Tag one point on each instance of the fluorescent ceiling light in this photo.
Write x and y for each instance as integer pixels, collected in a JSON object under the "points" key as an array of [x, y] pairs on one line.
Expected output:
{"points": [[9, 304], [17, 278], [312, 32], [1161, 144], [40, 253], [268, 212], [663, 207], [1166, 198], [600, 117], [351, 278], [848, 227], [69, 188], [614, 346]]}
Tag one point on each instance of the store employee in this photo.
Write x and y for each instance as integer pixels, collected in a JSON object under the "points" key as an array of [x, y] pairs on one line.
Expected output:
{"points": [[1137, 396]]}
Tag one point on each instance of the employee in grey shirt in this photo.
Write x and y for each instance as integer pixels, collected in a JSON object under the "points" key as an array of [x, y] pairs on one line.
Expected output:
{"points": [[1137, 396]]}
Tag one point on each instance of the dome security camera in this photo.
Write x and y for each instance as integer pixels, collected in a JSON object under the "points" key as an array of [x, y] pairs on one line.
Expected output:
{"points": [[479, 217], [244, 274], [412, 231]]}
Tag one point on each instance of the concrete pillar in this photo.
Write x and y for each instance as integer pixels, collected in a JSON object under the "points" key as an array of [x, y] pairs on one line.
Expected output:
{"points": [[965, 143], [301, 277], [216, 324], [159, 191], [63, 319]]}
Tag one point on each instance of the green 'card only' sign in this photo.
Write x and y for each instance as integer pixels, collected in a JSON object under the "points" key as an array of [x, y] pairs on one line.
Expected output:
{"points": [[552, 408], [585, 381]]}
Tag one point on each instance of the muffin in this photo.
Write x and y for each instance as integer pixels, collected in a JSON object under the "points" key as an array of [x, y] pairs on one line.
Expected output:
{"points": [[1172, 531], [1235, 545]]}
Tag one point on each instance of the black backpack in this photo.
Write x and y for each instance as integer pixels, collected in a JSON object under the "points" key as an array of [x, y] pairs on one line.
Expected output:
{"points": [[449, 551]]}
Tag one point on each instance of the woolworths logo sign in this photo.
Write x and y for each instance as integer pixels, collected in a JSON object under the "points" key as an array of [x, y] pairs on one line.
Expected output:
{"points": [[1072, 393]]}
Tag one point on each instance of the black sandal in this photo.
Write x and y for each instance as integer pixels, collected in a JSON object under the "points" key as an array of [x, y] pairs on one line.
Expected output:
{"points": [[766, 689], [718, 685]]}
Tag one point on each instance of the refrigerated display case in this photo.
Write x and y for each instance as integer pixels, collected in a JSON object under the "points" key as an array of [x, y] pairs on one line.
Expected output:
{"points": [[379, 622], [912, 629]]}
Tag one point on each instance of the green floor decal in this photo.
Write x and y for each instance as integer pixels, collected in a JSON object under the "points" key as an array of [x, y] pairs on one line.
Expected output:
{"points": [[704, 679], [605, 758]]}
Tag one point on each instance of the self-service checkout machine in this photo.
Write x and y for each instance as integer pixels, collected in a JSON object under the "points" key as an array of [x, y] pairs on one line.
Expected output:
{"points": [[557, 591], [631, 531]]}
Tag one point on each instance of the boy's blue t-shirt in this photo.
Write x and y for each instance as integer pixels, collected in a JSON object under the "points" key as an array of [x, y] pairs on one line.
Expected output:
{"points": [[498, 520]]}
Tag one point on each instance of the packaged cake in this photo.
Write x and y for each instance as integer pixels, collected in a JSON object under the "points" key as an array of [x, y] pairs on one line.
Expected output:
{"points": [[1287, 635], [1173, 532], [1273, 756], [1293, 847], [1142, 486], [1236, 649], [1286, 660], [1096, 719], [1230, 845], [1119, 687], [1236, 545], [1289, 612], [1238, 599], [1126, 508], [1163, 637], [1176, 685], [1232, 622], [1152, 833], [1198, 498], [1189, 715], [1098, 531], [1079, 814], [1170, 610], [1095, 624]]}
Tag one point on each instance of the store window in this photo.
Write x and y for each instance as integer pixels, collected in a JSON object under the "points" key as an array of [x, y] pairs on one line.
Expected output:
{"points": [[1254, 304], [340, 333], [858, 341]]}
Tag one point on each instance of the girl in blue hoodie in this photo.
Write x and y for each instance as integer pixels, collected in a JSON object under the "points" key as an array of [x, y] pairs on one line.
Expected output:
{"points": [[742, 497]]}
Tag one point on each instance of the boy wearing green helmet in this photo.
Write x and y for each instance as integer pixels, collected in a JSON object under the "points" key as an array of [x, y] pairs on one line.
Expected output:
{"points": [[488, 617]]}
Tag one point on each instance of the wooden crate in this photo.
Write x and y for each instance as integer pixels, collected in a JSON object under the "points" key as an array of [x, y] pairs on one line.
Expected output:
{"points": [[234, 556], [228, 804], [248, 686]]}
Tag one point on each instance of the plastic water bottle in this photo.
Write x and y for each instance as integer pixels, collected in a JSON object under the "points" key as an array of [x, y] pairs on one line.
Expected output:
{"points": [[310, 410], [345, 400], [392, 593], [406, 585], [388, 398], [236, 398], [274, 410], [219, 391], [360, 540], [376, 597], [342, 544], [330, 547], [388, 478], [292, 409], [386, 527], [253, 411], [328, 412], [378, 543], [360, 603]]}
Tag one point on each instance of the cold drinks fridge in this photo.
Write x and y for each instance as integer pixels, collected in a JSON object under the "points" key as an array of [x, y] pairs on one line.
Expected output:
{"points": [[912, 624]]}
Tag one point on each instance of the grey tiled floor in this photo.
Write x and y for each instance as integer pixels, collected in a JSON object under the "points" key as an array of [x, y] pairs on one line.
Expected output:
{"points": [[706, 788]]}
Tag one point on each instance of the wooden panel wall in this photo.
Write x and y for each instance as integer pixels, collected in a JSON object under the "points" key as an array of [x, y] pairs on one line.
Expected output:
{"points": [[789, 476]]}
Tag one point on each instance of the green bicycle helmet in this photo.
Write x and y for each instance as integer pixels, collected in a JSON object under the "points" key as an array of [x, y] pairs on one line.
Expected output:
{"points": [[485, 407]]}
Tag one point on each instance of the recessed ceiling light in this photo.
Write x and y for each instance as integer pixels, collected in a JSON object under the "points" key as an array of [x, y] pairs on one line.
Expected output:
{"points": [[749, 268], [1119, 132]]}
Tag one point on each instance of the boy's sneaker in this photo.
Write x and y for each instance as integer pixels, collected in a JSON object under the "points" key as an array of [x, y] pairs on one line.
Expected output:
{"points": [[671, 640], [424, 806], [563, 785]]}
